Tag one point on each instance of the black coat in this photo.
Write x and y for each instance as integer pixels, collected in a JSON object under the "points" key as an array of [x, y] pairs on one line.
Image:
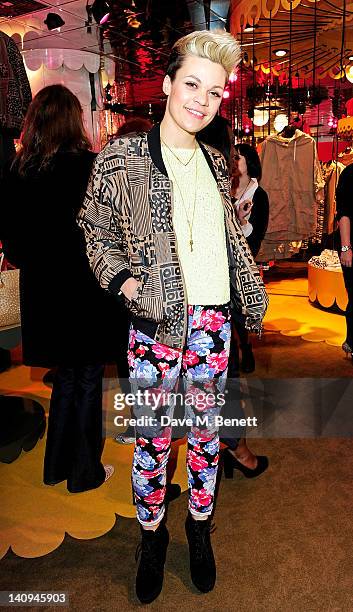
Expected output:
{"points": [[66, 318], [259, 219], [344, 207]]}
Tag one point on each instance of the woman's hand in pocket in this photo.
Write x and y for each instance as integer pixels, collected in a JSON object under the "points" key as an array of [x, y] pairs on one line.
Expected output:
{"points": [[130, 288]]}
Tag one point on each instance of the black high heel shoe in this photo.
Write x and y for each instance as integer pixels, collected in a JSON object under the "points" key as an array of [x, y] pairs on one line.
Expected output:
{"points": [[230, 463]]}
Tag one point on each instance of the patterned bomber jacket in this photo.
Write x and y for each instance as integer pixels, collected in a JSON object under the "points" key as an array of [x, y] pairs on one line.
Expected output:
{"points": [[127, 220]]}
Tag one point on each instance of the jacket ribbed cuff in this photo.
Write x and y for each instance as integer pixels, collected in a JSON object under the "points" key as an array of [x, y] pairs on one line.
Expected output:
{"points": [[118, 280]]}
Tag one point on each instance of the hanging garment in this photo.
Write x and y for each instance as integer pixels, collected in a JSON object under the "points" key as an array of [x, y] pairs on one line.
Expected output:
{"points": [[292, 178], [331, 173], [15, 91], [15, 97]]}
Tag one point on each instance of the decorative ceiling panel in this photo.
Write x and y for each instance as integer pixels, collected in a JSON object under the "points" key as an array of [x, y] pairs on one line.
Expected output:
{"points": [[16, 8]]}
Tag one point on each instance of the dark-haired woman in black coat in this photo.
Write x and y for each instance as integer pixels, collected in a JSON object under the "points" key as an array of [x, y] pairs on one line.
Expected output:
{"points": [[67, 320], [252, 205]]}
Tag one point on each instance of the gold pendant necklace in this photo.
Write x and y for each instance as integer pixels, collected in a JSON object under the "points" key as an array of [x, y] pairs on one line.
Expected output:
{"points": [[242, 193], [176, 156], [190, 223]]}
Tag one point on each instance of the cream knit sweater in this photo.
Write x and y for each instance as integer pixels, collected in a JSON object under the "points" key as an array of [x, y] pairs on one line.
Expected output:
{"points": [[205, 269]]}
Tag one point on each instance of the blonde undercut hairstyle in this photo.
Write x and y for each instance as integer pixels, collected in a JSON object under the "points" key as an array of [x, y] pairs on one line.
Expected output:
{"points": [[216, 45]]}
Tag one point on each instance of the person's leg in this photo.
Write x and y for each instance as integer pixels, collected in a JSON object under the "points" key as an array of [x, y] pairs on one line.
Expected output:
{"points": [[247, 364], [348, 281], [7, 151], [154, 371], [205, 371], [59, 446], [87, 471]]}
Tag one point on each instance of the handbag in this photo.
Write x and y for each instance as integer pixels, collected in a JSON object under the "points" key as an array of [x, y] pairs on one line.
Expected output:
{"points": [[9, 296]]}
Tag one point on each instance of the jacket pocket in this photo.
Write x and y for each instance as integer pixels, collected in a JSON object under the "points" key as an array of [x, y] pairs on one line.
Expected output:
{"points": [[134, 303]]}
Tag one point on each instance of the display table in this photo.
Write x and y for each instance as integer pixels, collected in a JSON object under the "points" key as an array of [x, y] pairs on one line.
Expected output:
{"points": [[325, 281]]}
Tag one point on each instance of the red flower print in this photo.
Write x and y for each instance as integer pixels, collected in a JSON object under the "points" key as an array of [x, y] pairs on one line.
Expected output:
{"points": [[202, 438], [150, 474], [161, 444], [212, 320], [141, 442], [209, 387], [200, 498], [197, 448], [200, 400], [218, 362], [155, 510], [190, 358], [163, 367], [131, 359], [156, 497], [141, 350], [196, 462], [132, 338], [165, 352]]}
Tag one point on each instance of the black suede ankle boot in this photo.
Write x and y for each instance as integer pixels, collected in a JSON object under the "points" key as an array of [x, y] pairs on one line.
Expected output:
{"points": [[150, 573], [202, 563]]}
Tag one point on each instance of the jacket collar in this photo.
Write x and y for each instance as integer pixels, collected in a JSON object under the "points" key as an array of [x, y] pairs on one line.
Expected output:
{"points": [[154, 146]]}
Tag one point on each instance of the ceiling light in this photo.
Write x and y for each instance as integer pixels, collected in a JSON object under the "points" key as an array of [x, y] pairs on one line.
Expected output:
{"points": [[261, 117], [54, 21], [280, 52], [350, 58], [349, 74], [280, 122], [101, 11]]}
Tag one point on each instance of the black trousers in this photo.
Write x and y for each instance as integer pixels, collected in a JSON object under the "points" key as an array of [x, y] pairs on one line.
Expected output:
{"points": [[74, 439], [348, 281], [7, 150]]}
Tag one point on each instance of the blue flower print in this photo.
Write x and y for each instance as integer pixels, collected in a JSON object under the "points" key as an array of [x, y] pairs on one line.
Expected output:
{"points": [[201, 373], [144, 459], [142, 490], [140, 337], [141, 486], [144, 372], [212, 447], [191, 480], [200, 342], [225, 332], [170, 378], [221, 382], [162, 479], [208, 474], [209, 486], [143, 513]]}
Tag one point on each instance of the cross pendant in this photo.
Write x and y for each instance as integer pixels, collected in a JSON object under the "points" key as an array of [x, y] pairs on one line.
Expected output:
{"points": [[191, 244]]}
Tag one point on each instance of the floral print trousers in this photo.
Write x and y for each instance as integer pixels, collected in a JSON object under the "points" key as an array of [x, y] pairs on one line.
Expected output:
{"points": [[155, 372]]}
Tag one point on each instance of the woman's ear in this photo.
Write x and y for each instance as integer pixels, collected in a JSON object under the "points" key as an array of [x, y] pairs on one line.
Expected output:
{"points": [[167, 84]]}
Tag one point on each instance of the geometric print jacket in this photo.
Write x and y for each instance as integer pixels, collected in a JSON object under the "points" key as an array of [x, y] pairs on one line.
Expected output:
{"points": [[127, 221]]}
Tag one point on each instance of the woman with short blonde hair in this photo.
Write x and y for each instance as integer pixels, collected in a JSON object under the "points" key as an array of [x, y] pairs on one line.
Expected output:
{"points": [[161, 231]]}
